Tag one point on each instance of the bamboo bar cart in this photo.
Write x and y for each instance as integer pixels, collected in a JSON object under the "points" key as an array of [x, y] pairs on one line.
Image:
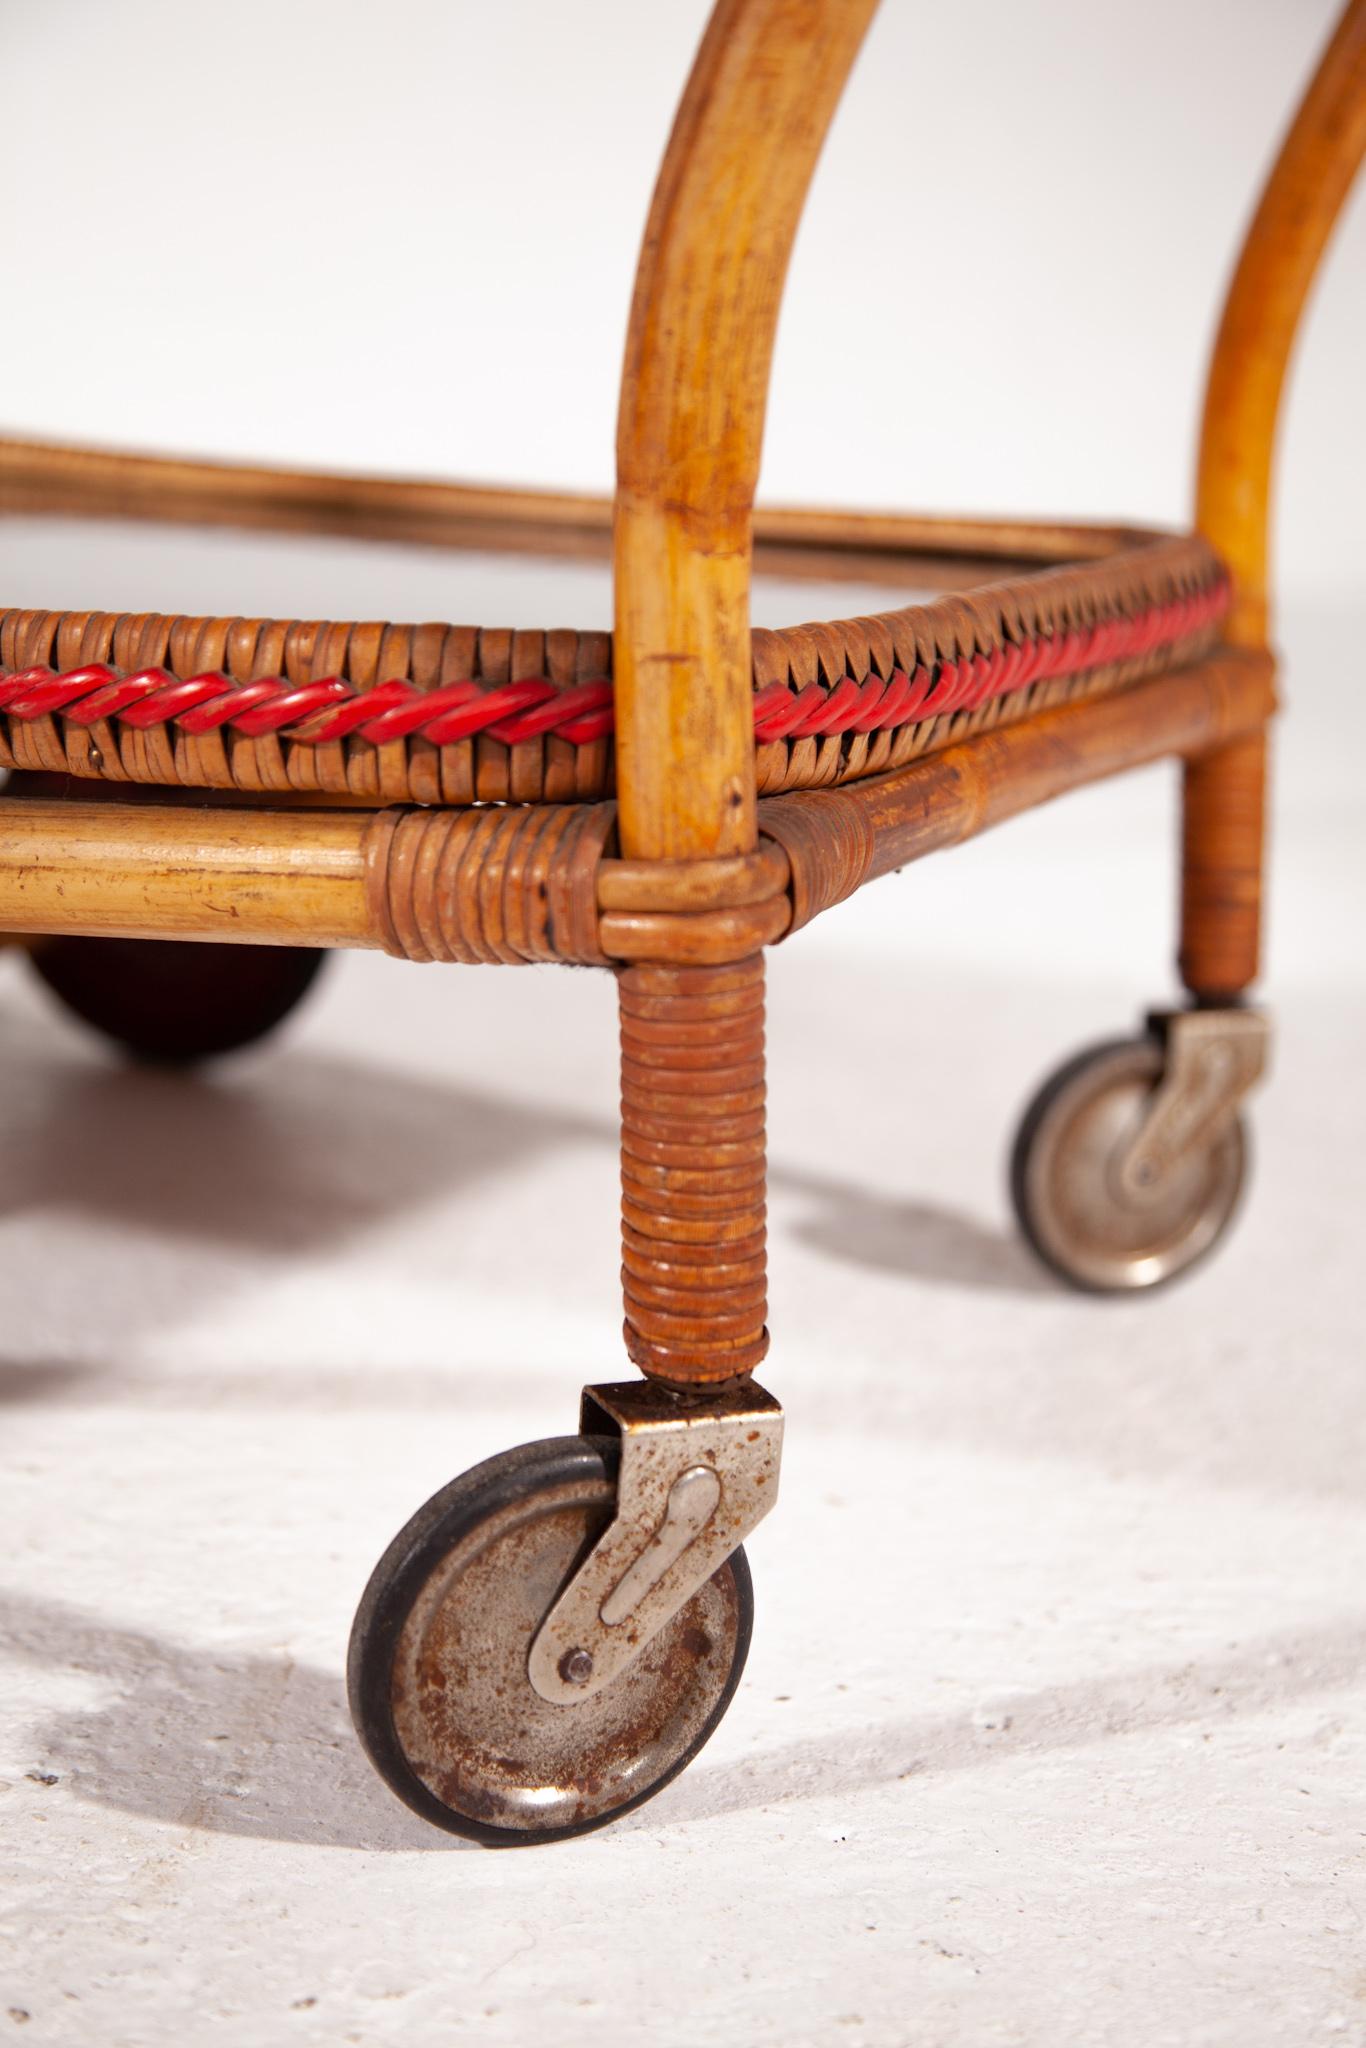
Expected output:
{"points": [[556, 1633]]}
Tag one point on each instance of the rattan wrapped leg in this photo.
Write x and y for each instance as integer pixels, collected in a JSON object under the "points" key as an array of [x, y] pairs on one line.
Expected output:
{"points": [[1221, 869], [692, 1169]]}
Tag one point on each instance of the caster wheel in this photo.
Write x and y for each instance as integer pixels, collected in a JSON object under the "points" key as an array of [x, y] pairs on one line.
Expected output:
{"points": [[437, 1671], [1064, 1177], [171, 1002]]}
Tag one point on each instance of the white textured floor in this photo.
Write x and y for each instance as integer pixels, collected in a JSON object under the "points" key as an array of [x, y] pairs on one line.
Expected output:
{"points": [[1054, 1730]]}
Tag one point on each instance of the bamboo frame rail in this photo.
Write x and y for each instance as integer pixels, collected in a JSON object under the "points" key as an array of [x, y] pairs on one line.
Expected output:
{"points": [[474, 885], [838, 839], [179, 871], [41, 479]]}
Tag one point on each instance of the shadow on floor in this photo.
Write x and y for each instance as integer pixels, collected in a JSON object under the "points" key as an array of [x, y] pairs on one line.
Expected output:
{"points": [[239, 1743], [918, 1240], [255, 1744], [287, 1155], [1206, 1691], [291, 1155]]}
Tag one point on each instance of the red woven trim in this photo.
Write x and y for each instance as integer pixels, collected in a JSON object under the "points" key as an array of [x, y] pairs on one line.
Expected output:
{"points": [[334, 709]]}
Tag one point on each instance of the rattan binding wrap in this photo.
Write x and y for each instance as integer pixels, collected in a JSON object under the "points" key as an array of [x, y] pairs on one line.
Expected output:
{"points": [[1223, 829], [692, 1169], [1043, 606], [497, 885]]}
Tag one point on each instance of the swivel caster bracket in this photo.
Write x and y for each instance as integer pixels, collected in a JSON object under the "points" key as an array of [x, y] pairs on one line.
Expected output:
{"points": [[697, 1474], [1213, 1059]]}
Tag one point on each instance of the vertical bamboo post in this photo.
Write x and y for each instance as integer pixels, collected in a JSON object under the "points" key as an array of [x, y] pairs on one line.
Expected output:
{"points": [[1224, 792], [749, 128], [694, 389]]}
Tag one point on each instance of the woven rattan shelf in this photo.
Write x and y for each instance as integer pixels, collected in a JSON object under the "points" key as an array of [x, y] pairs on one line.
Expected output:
{"points": [[665, 801]]}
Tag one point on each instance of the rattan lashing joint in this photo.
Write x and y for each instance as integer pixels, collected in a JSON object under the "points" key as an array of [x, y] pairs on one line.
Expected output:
{"points": [[540, 882]]}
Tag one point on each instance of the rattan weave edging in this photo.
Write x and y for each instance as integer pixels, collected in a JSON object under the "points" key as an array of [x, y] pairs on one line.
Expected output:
{"points": [[437, 714]]}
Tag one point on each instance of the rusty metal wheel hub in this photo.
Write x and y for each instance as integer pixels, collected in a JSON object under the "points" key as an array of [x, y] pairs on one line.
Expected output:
{"points": [[1082, 1217], [438, 1669]]}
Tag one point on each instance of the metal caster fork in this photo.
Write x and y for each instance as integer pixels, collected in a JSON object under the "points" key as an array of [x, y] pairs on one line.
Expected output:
{"points": [[1130, 1160], [556, 1634]]}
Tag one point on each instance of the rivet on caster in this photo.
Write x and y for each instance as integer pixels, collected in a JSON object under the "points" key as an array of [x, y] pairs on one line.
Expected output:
{"points": [[1131, 1158], [556, 1634]]}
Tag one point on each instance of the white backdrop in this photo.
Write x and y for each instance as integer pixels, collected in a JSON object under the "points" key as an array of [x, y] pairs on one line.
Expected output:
{"points": [[403, 238]]}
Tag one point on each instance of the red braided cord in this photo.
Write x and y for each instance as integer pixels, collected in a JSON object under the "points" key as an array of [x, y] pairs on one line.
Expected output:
{"points": [[334, 709]]}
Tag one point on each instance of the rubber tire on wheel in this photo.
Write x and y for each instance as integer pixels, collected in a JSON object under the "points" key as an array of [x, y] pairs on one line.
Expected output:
{"points": [[437, 1670], [171, 1002], [1065, 1186]]}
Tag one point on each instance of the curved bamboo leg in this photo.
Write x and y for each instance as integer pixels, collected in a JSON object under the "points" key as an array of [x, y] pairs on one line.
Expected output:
{"points": [[1224, 792], [694, 388]]}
